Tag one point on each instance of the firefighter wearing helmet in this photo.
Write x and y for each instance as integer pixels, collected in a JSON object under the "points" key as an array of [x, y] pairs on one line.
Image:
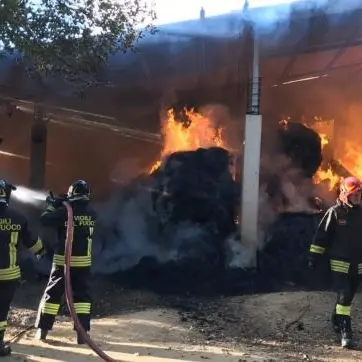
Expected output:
{"points": [[339, 233], [13, 231], [55, 216]]}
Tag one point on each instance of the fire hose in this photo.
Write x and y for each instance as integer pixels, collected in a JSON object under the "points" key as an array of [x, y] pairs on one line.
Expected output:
{"points": [[68, 289]]}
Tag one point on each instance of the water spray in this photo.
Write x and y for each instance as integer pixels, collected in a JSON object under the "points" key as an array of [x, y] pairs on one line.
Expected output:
{"points": [[28, 196]]}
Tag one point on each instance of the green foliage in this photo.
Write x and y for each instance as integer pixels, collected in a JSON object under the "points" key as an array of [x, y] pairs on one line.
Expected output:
{"points": [[72, 38]]}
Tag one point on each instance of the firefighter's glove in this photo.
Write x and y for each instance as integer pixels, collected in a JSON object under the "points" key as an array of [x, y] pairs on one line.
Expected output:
{"points": [[49, 200], [57, 203], [54, 201]]}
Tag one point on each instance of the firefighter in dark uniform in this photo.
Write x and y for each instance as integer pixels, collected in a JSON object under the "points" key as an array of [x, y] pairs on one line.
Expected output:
{"points": [[84, 218], [340, 235], [13, 229]]}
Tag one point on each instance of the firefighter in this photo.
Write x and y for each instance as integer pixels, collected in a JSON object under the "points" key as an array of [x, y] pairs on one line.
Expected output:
{"points": [[13, 228], [84, 218], [339, 233]]}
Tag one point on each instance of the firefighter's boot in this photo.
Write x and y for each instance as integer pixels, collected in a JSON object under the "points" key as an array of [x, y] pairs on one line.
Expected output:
{"points": [[41, 334], [346, 332], [5, 349], [84, 321], [80, 339], [335, 322]]}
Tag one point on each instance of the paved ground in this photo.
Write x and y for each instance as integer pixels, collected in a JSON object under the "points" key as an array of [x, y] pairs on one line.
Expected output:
{"points": [[142, 326]]}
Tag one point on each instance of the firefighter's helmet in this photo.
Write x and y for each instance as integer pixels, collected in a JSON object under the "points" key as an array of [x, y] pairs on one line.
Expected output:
{"points": [[4, 189], [348, 187], [79, 190]]}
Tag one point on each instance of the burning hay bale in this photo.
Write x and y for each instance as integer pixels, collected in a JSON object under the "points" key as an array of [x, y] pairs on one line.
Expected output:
{"points": [[302, 145], [298, 156], [292, 193], [197, 186]]}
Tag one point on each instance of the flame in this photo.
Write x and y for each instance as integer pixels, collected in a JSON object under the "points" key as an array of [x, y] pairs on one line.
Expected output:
{"points": [[324, 140], [284, 122], [326, 174], [348, 154], [351, 158], [198, 131]]}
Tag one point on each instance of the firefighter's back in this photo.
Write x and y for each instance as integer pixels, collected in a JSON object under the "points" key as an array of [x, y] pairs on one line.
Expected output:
{"points": [[346, 244], [83, 221], [11, 225], [56, 216]]}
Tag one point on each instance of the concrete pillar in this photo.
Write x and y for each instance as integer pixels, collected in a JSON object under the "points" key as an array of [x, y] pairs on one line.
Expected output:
{"points": [[202, 13], [251, 164], [38, 146]]}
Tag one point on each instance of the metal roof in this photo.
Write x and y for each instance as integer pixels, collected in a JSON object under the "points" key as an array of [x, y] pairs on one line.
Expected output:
{"points": [[305, 42], [295, 42]]}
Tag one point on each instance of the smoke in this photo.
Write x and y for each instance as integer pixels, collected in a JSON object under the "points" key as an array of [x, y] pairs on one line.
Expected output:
{"points": [[129, 229], [163, 54], [266, 17], [123, 235], [291, 20], [125, 171], [284, 189], [238, 255]]}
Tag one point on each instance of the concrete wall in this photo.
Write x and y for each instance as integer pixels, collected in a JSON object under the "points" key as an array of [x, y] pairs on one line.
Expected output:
{"points": [[15, 131]]}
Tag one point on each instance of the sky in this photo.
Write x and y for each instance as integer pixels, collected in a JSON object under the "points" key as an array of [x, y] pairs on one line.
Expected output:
{"points": [[169, 11]]}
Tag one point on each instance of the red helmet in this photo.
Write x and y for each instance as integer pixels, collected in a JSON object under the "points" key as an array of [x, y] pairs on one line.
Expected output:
{"points": [[349, 186]]}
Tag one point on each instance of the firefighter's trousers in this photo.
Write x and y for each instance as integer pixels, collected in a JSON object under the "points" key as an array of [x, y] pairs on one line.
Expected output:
{"points": [[7, 292], [54, 292], [345, 285]]}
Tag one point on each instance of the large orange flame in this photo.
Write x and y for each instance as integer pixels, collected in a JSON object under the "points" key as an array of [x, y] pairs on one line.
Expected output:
{"points": [[198, 132], [326, 174], [351, 158], [201, 131]]}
